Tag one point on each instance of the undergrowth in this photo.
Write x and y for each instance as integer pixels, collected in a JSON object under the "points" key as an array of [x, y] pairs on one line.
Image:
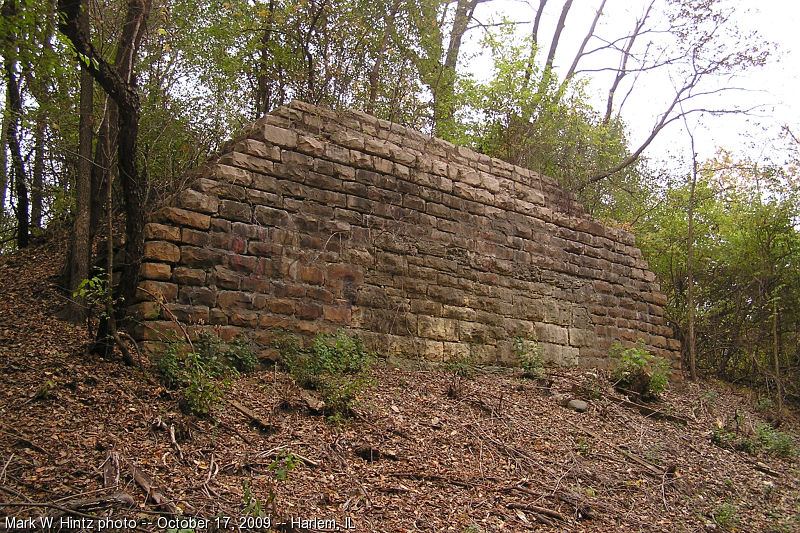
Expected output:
{"points": [[639, 371], [529, 357], [335, 365], [203, 373]]}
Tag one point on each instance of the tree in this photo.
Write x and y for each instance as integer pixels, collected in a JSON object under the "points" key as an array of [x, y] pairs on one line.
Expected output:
{"points": [[11, 15], [119, 83]]}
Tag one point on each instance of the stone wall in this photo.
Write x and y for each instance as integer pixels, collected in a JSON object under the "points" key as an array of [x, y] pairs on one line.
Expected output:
{"points": [[315, 220]]}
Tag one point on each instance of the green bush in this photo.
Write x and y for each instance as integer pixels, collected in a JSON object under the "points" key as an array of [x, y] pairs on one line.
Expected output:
{"points": [[639, 371], [529, 357], [336, 366], [203, 375], [462, 366]]}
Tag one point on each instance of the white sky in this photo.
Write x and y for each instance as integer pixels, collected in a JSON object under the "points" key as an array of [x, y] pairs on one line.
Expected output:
{"points": [[775, 87]]}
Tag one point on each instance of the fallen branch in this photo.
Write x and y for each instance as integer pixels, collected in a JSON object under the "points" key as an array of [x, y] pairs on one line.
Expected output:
{"points": [[158, 423], [259, 422], [538, 510], [144, 482], [651, 469], [432, 478]]}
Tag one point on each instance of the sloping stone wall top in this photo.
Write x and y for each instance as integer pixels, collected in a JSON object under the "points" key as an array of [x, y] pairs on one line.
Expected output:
{"points": [[314, 220]]}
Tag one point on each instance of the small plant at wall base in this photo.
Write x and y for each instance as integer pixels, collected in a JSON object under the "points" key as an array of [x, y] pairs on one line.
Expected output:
{"points": [[336, 366], [639, 372], [529, 357], [203, 371]]}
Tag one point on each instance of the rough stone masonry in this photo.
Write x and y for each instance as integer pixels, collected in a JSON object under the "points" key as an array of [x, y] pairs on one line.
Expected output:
{"points": [[314, 220]]}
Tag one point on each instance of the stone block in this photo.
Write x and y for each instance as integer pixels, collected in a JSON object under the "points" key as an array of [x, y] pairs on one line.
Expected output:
{"points": [[236, 211], [336, 314], [278, 136], [229, 174], [161, 232], [198, 296], [197, 201], [156, 271], [219, 189], [249, 162], [308, 311], [582, 337], [161, 251], [271, 217], [188, 276], [437, 328], [182, 217], [156, 290], [190, 314], [234, 299], [193, 256]]}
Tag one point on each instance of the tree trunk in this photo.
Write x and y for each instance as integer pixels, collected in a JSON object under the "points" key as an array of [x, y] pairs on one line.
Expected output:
{"points": [[3, 158], [37, 186], [119, 83], [376, 68], [690, 266], [12, 138], [444, 94], [101, 168], [562, 21], [534, 42], [80, 249]]}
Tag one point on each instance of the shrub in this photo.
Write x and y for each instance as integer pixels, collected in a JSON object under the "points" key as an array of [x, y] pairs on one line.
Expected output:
{"points": [[203, 375], [529, 357], [639, 371], [336, 366]]}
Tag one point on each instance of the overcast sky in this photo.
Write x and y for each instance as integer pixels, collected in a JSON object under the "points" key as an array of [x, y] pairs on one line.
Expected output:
{"points": [[775, 87]]}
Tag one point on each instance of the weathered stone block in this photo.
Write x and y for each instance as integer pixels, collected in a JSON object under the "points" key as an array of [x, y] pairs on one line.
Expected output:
{"points": [[182, 217], [188, 276], [197, 201], [308, 311], [156, 271], [232, 210], [161, 232], [161, 251], [437, 328], [279, 136], [193, 256], [229, 174], [156, 290]]}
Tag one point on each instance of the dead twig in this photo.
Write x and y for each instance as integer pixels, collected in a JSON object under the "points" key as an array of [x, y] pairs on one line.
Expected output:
{"points": [[144, 482]]}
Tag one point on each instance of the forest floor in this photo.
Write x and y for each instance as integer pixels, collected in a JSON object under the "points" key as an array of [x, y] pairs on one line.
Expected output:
{"points": [[82, 438]]}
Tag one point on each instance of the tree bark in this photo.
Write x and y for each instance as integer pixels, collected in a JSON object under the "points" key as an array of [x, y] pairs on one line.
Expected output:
{"points": [[534, 42], [12, 133], [119, 83], [80, 249], [562, 21], [4, 158], [376, 67], [690, 267], [37, 185], [444, 94], [574, 66]]}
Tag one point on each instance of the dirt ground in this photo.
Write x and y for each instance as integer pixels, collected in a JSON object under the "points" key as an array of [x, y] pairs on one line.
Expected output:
{"points": [[95, 445]]}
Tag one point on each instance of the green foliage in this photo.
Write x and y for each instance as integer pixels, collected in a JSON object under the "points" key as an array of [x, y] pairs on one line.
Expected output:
{"points": [[529, 357], [94, 290], [253, 506], [336, 366], [764, 439], [203, 375], [639, 370], [746, 252], [524, 115], [461, 366], [283, 464], [726, 515]]}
